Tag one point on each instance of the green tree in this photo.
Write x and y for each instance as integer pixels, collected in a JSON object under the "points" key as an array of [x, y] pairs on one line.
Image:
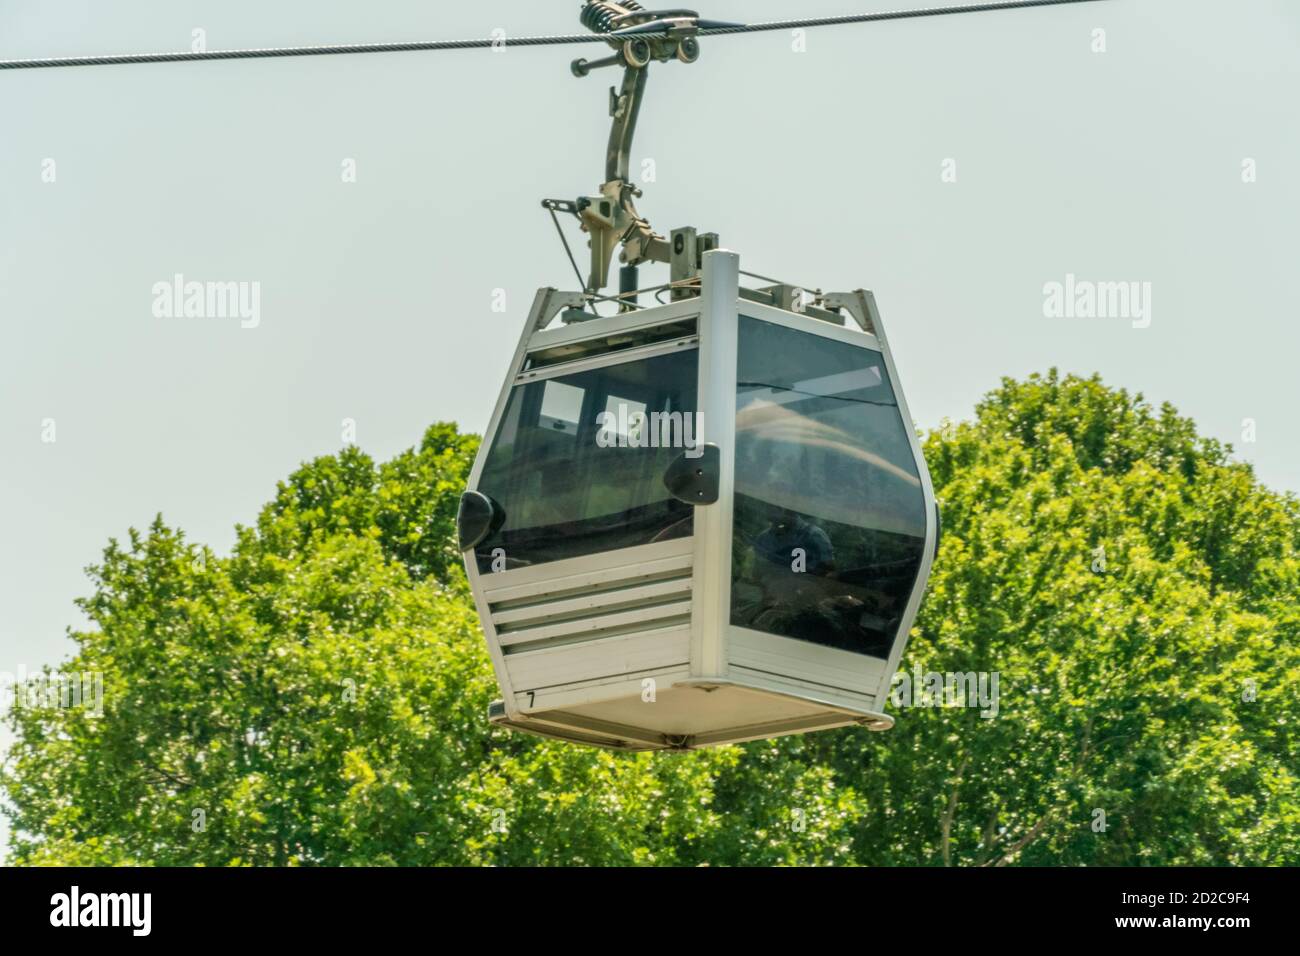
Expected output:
{"points": [[318, 696]]}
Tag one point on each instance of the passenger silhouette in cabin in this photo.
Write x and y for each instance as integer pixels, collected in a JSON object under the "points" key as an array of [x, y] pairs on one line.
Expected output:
{"points": [[792, 541], [812, 604]]}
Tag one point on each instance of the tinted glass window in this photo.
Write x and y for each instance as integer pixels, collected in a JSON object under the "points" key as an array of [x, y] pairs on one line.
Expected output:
{"points": [[573, 481], [829, 511]]}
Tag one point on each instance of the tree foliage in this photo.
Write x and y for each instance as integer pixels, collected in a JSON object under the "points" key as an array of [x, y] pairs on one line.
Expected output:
{"points": [[319, 695]]}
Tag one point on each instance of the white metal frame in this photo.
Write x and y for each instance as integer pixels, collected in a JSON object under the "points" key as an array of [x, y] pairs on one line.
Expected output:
{"points": [[708, 652]]}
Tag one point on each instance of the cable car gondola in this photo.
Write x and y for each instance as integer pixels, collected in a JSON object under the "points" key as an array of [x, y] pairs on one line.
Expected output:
{"points": [[702, 521]]}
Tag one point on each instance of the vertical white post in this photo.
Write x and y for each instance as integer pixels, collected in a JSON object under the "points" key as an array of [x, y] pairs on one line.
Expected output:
{"points": [[720, 291]]}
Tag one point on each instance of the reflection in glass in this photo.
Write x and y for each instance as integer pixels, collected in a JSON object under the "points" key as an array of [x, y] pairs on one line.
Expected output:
{"points": [[829, 509], [570, 480]]}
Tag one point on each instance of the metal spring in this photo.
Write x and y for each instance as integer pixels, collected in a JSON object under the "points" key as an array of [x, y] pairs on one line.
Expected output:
{"points": [[598, 15]]}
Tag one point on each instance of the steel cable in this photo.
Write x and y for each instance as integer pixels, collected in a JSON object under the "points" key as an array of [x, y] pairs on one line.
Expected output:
{"points": [[508, 41]]}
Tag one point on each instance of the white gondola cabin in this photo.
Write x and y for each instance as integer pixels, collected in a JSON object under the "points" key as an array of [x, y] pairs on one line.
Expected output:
{"points": [[699, 523]]}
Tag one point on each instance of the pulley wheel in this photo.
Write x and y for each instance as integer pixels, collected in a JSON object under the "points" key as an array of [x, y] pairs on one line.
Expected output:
{"points": [[637, 53]]}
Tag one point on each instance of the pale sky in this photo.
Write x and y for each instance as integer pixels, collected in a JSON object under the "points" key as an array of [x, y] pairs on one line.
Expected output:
{"points": [[823, 167]]}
